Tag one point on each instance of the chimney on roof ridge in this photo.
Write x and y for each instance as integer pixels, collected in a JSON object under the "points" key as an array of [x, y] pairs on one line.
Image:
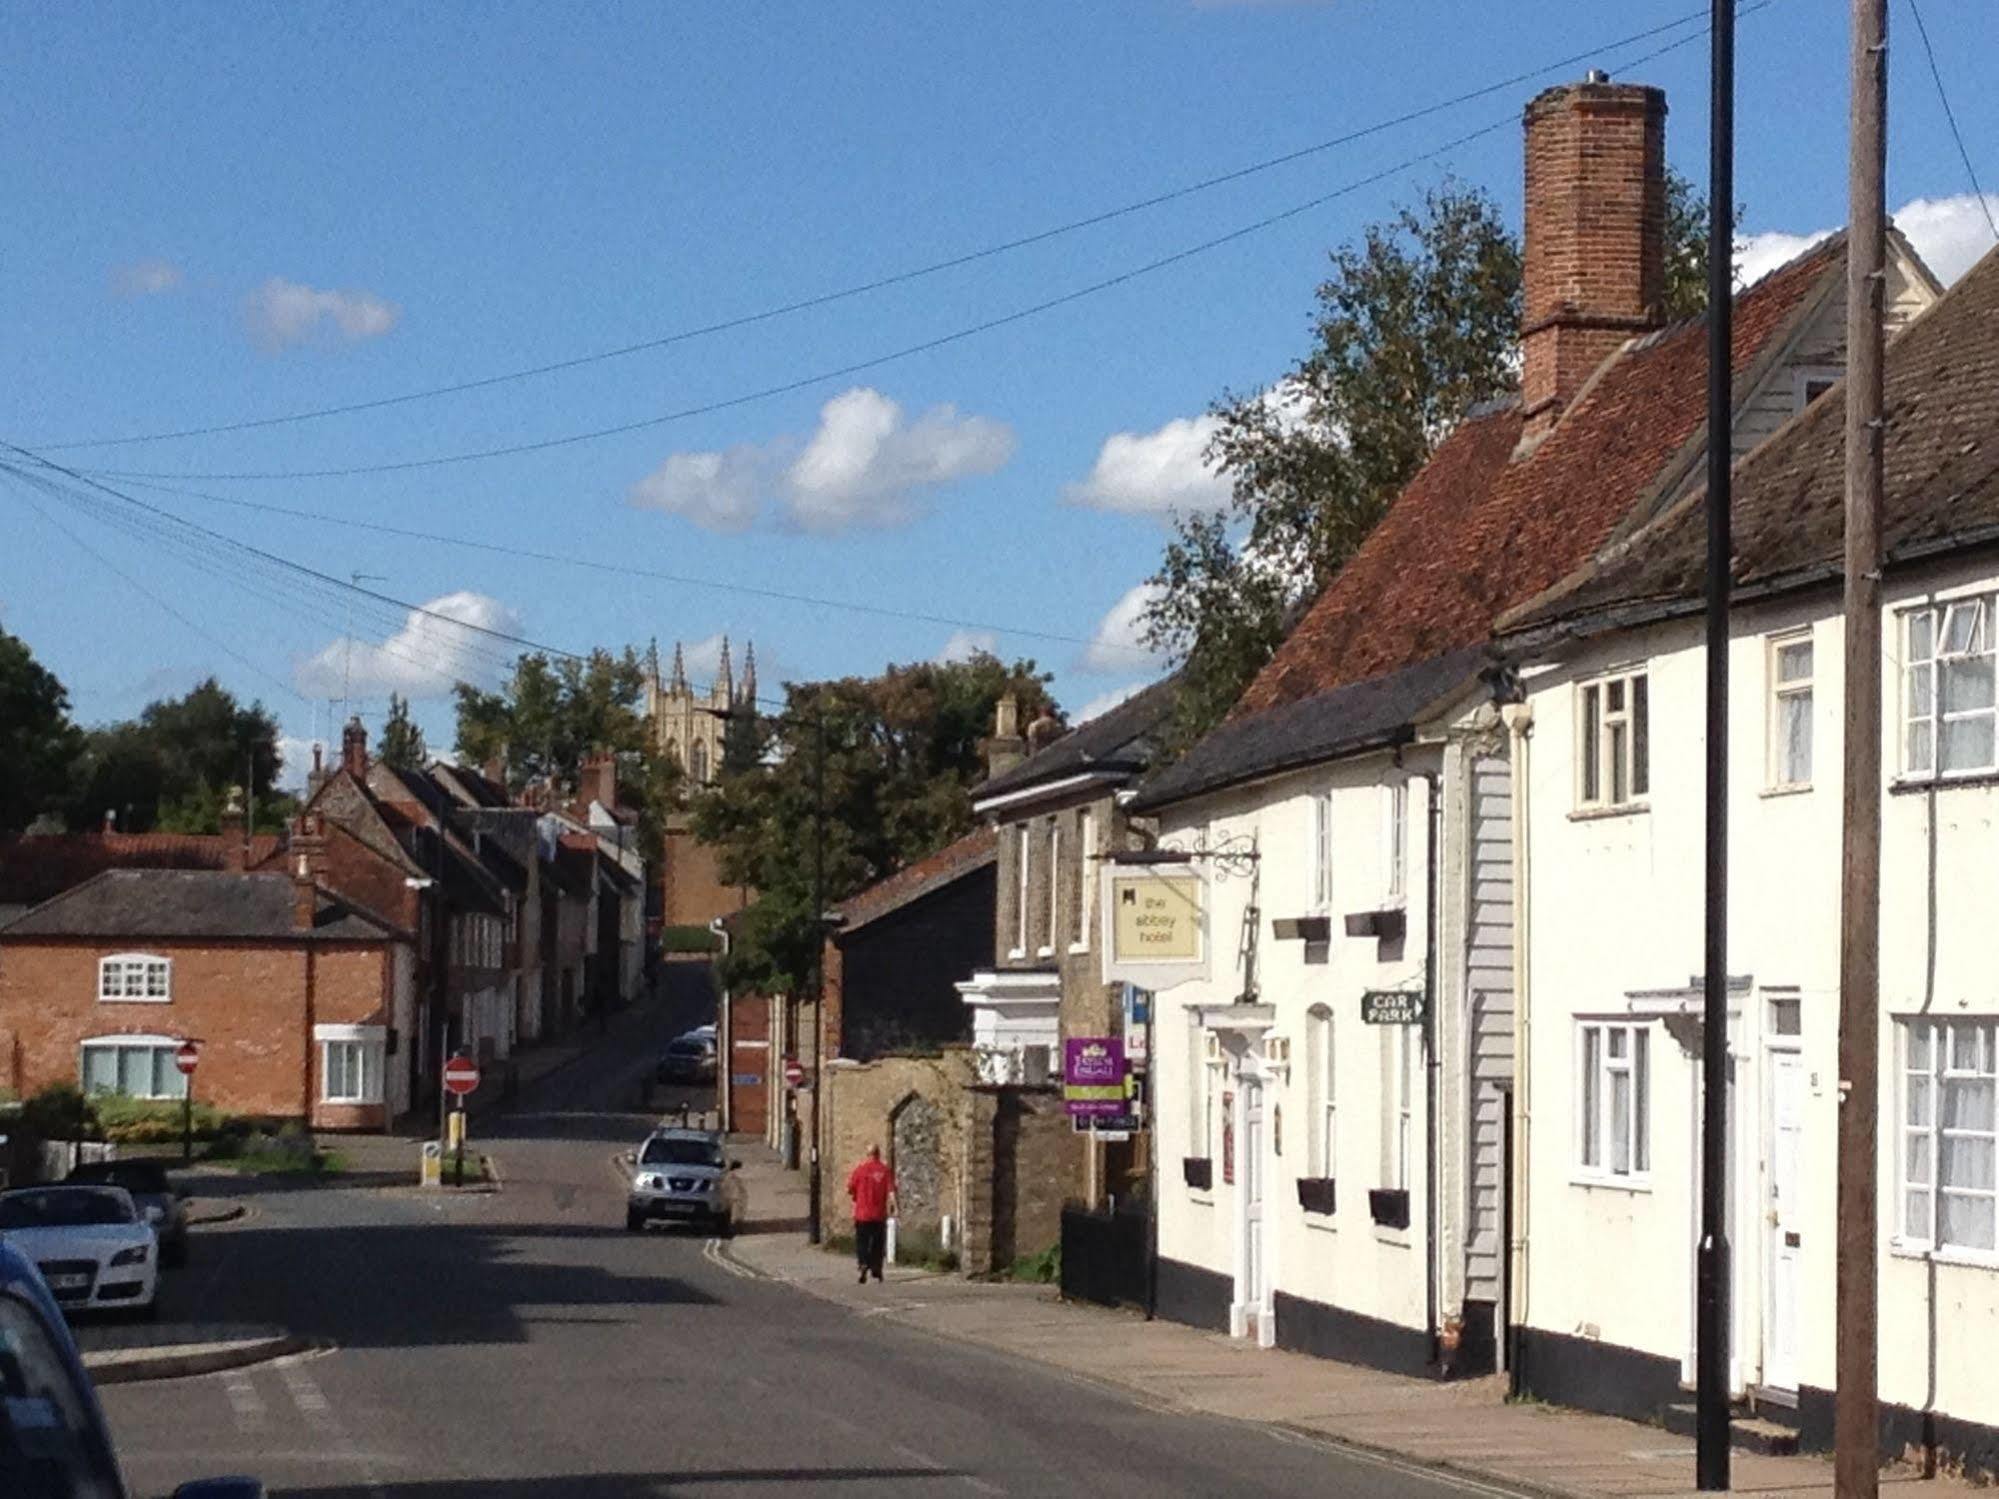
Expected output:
{"points": [[308, 844], [354, 749], [1043, 732], [599, 781], [235, 840], [1593, 272], [1006, 748]]}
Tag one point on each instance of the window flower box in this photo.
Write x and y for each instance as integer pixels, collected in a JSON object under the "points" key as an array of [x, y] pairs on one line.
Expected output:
{"points": [[1315, 1194], [1198, 1171], [1389, 1206]]}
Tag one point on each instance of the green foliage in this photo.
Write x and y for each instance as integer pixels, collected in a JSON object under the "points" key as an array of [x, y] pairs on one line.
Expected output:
{"points": [[1043, 1269], [37, 740], [1416, 323], [151, 1121], [402, 746], [688, 939], [59, 1112], [170, 769], [900, 751]]}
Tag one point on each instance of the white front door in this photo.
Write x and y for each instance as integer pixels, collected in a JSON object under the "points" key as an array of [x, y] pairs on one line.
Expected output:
{"points": [[1783, 1223], [1255, 1288]]}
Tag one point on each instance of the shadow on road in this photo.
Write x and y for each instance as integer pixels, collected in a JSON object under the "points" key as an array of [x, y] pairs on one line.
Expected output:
{"points": [[618, 1485]]}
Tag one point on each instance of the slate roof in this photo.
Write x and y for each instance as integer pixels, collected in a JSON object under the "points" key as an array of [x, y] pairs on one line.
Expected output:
{"points": [[1480, 530], [1123, 738], [953, 862], [38, 868], [1372, 714], [1940, 461], [191, 904]]}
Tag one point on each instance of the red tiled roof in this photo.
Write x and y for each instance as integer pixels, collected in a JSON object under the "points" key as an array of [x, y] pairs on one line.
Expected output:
{"points": [[1474, 535], [973, 851], [40, 867]]}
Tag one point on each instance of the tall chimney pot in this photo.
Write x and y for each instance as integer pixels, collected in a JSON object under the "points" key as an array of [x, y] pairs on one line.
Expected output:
{"points": [[354, 749], [1594, 272], [235, 840]]}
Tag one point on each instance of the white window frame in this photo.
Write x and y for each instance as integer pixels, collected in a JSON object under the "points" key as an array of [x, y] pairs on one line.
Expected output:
{"points": [[1401, 1046], [1922, 678], [135, 978], [168, 1045], [1323, 1086], [1601, 729], [1782, 692], [1596, 1073], [1942, 1066], [1395, 856], [1053, 934], [1205, 1053], [1022, 853], [1086, 879], [1322, 849], [366, 1043], [1824, 376]]}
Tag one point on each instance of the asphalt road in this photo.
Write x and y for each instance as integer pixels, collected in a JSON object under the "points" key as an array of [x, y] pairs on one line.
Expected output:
{"points": [[524, 1343]]}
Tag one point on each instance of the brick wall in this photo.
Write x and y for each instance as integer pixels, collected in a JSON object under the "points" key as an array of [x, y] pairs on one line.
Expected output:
{"points": [[252, 1008], [1594, 268], [692, 892], [746, 1052]]}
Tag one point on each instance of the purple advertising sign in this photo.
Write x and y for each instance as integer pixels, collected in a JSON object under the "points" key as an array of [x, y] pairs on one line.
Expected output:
{"points": [[1093, 1075]]}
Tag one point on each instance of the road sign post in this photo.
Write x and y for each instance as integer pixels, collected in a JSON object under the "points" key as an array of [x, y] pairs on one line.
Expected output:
{"points": [[461, 1076], [186, 1055]]}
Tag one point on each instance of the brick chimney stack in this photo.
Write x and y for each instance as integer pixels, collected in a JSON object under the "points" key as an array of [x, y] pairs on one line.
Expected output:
{"points": [[1006, 748], [308, 845], [599, 781], [1594, 272], [235, 838], [354, 749]]}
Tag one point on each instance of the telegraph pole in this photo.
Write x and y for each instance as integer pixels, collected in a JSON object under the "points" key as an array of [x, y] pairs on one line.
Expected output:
{"points": [[1856, 1416], [814, 1188], [1711, 1332]]}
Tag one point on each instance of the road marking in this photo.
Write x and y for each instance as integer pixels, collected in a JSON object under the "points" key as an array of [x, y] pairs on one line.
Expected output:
{"points": [[930, 1464], [319, 1415], [716, 1255], [244, 1401]]}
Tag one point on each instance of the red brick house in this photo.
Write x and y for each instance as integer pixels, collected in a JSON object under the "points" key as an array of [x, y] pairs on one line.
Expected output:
{"points": [[299, 998]]}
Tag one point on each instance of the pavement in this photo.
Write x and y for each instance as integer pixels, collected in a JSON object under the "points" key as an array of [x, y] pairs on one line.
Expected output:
{"points": [[1465, 1430], [525, 1343]]}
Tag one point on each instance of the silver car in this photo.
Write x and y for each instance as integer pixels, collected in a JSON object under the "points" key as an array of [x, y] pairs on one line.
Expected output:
{"points": [[681, 1176]]}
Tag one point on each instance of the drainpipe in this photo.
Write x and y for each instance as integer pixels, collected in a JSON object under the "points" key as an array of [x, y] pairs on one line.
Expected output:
{"points": [[1433, 818], [725, 1042], [1519, 721]]}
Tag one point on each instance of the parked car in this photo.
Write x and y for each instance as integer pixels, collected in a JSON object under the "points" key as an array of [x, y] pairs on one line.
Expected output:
{"points": [[160, 1202], [53, 1440], [91, 1244], [681, 1176], [689, 1059]]}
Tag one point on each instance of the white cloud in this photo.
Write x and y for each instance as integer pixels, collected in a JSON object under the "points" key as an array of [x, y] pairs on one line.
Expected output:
{"points": [[1119, 642], [715, 490], [430, 653], [863, 466], [1949, 233], [1103, 702], [146, 278], [1155, 473], [866, 462], [965, 644], [282, 313]]}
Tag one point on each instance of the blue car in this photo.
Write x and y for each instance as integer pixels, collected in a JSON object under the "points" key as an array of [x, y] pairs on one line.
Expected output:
{"points": [[53, 1440]]}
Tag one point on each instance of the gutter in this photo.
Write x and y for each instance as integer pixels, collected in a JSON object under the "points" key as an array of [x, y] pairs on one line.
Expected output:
{"points": [[1103, 772], [1433, 817], [1395, 738]]}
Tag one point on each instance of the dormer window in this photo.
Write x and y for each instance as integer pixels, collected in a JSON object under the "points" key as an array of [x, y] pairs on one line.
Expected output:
{"points": [[124, 978]]}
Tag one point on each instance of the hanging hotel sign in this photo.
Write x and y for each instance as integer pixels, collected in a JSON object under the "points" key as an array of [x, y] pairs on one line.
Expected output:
{"points": [[1155, 924], [1391, 1007]]}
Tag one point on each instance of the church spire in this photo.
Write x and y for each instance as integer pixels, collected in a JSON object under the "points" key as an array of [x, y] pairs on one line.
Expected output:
{"points": [[725, 678], [679, 670], [652, 661], [748, 696]]}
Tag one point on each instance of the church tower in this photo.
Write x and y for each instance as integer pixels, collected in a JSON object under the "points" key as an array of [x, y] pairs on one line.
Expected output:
{"points": [[688, 723]]}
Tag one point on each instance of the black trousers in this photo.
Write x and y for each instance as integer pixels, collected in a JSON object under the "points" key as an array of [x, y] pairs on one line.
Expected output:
{"points": [[870, 1246]]}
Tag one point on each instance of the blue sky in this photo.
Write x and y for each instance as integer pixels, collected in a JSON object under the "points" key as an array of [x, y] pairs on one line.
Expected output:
{"points": [[225, 213]]}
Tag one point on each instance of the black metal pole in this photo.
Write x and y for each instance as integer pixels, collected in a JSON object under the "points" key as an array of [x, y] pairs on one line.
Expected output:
{"points": [[187, 1120], [812, 1229], [1711, 1460]]}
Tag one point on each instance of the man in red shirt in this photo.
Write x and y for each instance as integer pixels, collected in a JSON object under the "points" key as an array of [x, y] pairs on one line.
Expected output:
{"points": [[872, 1186]]}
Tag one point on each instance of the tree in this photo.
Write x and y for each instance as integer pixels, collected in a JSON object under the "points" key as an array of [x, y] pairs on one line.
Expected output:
{"points": [[402, 746], [1416, 323], [901, 752], [171, 767], [37, 739]]}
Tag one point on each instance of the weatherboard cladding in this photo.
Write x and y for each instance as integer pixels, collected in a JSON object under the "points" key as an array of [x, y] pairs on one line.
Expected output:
{"points": [[1940, 460], [1489, 991], [1483, 527]]}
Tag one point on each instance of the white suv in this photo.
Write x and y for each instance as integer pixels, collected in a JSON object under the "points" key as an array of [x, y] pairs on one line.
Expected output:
{"points": [[680, 1175]]}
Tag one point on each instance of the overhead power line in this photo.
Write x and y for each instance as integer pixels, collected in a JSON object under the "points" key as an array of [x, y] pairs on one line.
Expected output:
{"points": [[860, 366], [1943, 97], [898, 278]]}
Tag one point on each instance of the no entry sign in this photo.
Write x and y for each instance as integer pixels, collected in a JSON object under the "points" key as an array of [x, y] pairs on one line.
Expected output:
{"points": [[461, 1075], [794, 1071], [185, 1057]]}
